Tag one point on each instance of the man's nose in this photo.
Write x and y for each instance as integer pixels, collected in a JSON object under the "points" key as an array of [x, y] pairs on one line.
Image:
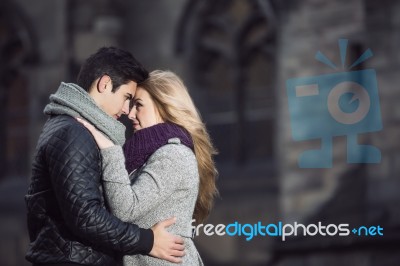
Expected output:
{"points": [[125, 108]]}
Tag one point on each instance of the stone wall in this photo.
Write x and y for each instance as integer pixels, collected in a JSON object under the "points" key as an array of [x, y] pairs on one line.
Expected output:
{"points": [[383, 26], [312, 26], [353, 193], [259, 190]]}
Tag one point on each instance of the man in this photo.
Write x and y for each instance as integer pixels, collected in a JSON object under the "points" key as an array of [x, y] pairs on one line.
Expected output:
{"points": [[68, 221]]}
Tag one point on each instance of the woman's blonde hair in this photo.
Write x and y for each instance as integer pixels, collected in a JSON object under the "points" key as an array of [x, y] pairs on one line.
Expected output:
{"points": [[175, 105]]}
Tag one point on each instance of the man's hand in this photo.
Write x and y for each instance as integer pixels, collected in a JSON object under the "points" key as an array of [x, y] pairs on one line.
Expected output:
{"points": [[167, 246]]}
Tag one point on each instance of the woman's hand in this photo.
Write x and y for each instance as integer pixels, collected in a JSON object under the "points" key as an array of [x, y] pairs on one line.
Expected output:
{"points": [[102, 141]]}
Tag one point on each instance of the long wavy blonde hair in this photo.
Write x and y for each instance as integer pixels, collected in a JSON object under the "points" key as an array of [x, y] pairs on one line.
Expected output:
{"points": [[175, 105]]}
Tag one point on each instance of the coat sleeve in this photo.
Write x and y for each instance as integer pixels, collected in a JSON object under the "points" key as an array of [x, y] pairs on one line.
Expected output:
{"points": [[162, 174], [72, 156]]}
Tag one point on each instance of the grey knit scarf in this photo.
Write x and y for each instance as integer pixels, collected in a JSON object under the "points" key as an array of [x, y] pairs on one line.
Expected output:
{"points": [[72, 100]]}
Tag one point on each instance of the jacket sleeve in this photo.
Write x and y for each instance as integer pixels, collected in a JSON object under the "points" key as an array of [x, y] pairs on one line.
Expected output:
{"points": [[162, 174], [73, 162]]}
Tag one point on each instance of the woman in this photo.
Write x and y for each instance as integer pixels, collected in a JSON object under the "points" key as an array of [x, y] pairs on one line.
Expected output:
{"points": [[169, 161]]}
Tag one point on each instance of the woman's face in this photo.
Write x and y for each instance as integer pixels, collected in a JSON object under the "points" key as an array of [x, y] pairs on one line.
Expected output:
{"points": [[144, 112]]}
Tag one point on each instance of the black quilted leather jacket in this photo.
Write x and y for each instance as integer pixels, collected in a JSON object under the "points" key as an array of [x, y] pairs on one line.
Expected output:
{"points": [[67, 218]]}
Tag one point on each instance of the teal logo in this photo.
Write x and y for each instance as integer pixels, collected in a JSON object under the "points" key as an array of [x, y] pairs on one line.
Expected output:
{"points": [[337, 104]]}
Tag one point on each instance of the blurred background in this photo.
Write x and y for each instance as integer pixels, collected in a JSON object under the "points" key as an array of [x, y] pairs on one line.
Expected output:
{"points": [[235, 57]]}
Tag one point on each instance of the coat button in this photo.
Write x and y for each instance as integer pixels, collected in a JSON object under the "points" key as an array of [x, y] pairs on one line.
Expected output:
{"points": [[90, 250]]}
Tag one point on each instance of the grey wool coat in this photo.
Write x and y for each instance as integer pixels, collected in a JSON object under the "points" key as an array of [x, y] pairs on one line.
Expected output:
{"points": [[165, 186]]}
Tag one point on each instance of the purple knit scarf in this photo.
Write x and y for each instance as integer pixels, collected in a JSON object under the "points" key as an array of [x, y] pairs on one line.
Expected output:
{"points": [[146, 141]]}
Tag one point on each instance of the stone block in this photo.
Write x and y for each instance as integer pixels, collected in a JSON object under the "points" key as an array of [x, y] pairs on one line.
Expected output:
{"points": [[48, 19], [87, 43]]}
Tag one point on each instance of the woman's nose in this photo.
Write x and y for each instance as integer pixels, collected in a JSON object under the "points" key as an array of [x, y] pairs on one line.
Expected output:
{"points": [[132, 113]]}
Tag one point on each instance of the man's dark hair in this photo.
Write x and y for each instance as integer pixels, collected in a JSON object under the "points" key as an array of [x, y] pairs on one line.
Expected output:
{"points": [[120, 65]]}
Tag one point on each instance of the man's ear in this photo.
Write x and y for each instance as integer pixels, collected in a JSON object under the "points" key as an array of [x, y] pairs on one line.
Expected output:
{"points": [[103, 83]]}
